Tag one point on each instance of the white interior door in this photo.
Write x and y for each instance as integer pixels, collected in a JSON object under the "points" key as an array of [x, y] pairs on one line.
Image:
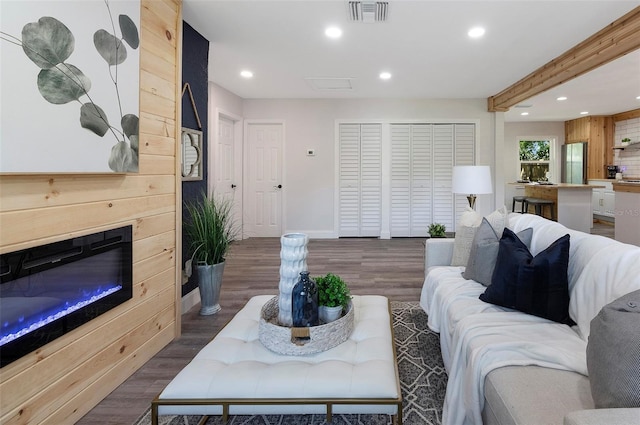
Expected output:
{"points": [[227, 180], [263, 212]]}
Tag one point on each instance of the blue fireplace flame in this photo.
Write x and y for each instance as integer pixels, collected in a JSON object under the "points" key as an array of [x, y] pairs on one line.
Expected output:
{"points": [[21, 325]]}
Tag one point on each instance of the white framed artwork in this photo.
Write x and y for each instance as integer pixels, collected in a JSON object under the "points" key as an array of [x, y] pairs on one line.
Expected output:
{"points": [[70, 78]]}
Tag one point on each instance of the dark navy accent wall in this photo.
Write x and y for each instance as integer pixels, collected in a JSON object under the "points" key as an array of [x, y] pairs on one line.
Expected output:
{"points": [[195, 63]]}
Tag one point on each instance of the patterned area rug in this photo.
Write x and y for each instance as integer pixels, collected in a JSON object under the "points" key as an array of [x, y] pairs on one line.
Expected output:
{"points": [[423, 381]]}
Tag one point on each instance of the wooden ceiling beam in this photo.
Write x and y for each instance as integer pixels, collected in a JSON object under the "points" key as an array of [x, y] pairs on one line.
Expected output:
{"points": [[615, 40], [628, 115]]}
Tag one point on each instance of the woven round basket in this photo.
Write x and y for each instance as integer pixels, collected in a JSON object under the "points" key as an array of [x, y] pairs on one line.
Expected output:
{"points": [[301, 341]]}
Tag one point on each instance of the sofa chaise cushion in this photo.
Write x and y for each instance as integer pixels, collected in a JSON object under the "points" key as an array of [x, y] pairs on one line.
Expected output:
{"points": [[533, 395]]}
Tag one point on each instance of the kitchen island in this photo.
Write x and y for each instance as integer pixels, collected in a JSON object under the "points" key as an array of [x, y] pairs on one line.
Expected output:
{"points": [[572, 202], [627, 211]]}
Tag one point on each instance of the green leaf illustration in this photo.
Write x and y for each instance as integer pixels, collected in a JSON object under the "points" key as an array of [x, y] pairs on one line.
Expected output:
{"points": [[133, 140], [110, 48], [123, 159], [47, 42], [93, 118], [130, 123], [63, 84], [129, 31]]}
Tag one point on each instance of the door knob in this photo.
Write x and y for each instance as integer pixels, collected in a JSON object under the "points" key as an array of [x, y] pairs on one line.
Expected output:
{"points": [[278, 186], [233, 186]]}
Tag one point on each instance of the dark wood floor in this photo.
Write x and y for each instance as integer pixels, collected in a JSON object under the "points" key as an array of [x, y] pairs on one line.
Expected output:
{"points": [[393, 268]]}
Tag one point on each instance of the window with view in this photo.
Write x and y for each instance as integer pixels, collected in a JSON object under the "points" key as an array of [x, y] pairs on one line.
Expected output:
{"points": [[535, 159]]}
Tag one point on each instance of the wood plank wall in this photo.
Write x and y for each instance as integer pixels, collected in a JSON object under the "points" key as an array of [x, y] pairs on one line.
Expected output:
{"points": [[63, 380]]}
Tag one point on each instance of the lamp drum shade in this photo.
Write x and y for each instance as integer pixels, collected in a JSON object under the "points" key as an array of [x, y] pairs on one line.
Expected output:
{"points": [[471, 179]]}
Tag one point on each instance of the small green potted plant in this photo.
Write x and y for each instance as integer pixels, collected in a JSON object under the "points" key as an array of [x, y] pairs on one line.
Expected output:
{"points": [[436, 230], [626, 141], [333, 297]]}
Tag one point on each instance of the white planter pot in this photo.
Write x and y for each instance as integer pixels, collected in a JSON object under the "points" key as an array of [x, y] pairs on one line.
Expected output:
{"points": [[209, 284], [329, 314], [293, 260]]}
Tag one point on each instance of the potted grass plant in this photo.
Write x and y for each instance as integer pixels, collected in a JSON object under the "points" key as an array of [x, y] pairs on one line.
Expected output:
{"points": [[210, 229], [333, 297]]}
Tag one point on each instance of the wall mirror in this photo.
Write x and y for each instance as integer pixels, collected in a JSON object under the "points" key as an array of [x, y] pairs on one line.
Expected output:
{"points": [[191, 154]]}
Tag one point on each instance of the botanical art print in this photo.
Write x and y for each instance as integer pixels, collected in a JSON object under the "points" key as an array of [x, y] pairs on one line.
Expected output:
{"points": [[70, 86]]}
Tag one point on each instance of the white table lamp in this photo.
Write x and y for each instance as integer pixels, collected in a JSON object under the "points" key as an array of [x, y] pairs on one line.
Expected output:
{"points": [[472, 180]]}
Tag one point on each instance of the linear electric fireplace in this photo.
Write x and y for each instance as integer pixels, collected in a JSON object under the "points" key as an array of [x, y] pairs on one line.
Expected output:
{"points": [[49, 290]]}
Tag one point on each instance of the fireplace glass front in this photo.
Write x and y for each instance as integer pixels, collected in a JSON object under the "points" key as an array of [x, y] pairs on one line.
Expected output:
{"points": [[49, 290]]}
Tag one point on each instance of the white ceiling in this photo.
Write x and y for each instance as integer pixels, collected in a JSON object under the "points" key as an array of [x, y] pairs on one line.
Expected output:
{"points": [[424, 45]]}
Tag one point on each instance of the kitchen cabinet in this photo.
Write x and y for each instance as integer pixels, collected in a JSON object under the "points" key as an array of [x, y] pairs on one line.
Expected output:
{"points": [[627, 212], [603, 199], [597, 131], [609, 203]]}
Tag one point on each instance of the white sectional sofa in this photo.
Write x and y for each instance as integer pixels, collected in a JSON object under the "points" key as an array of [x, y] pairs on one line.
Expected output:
{"points": [[508, 367]]}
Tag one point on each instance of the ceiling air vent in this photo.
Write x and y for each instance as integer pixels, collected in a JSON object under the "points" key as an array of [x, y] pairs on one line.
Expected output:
{"points": [[330, 83], [368, 11]]}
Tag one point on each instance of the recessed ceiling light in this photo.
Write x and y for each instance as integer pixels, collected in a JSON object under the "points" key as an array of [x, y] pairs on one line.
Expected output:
{"points": [[584, 112], [333, 32], [246, 74], [524, 113], [562, 98], [638, 97], [476, 32], [385, 75]]}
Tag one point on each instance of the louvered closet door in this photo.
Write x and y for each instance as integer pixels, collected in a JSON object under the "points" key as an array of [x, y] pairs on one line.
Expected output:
{"points": [[453, 144], [370, 179], [400, 180], [349, 197], [464, 139], [360, 186], [411, 194], [443, 149], [421, 179]]}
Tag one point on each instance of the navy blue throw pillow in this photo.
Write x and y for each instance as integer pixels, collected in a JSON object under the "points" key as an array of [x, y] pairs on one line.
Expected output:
{"points": [[534, 285]]}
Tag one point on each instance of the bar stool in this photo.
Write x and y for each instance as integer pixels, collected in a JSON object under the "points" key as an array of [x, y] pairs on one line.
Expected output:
{"points": [[539, 205], [522, 200]]}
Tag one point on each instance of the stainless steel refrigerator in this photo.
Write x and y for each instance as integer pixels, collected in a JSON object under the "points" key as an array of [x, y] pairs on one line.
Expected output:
{"points": [[574, 163]]}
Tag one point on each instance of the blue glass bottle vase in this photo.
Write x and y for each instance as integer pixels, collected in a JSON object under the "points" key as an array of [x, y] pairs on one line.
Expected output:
{"points": [[304, 305]]}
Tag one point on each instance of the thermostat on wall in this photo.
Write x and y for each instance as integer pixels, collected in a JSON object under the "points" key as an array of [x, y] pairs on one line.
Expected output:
{"points": [[311, 152]]}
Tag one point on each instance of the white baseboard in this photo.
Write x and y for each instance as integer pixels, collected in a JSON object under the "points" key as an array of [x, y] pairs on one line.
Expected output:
{"points": [[189, 301], [318, 234]]}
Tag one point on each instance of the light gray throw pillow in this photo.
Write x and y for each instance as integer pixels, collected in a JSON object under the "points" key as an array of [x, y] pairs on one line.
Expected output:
{"points": [[613, 353], [484, 252], [466, 229]]}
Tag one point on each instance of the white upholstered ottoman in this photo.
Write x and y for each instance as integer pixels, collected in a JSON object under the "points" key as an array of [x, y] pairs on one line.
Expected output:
{"points": [[235, 374]]}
